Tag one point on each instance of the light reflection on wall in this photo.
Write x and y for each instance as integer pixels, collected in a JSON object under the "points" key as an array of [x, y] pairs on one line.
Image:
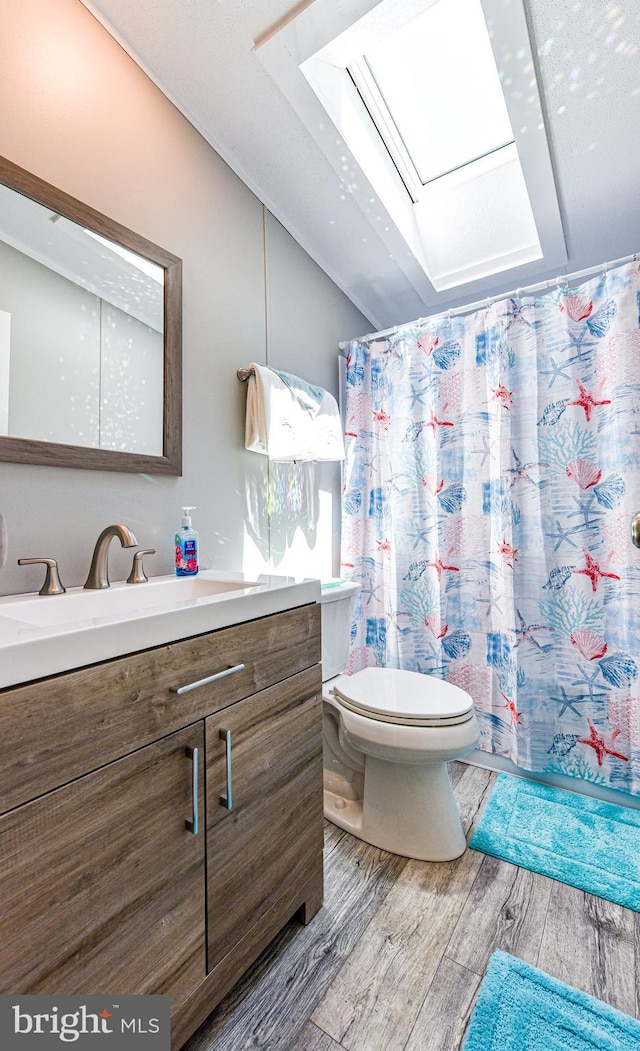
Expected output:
{"points": [[583, 57], [289, 520]]}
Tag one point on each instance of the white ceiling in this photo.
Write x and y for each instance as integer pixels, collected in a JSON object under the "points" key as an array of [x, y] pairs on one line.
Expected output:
{"points": [[201, 54]]}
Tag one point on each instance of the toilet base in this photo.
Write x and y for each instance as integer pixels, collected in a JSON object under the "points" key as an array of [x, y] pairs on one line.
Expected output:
{"points": [[408, 809]]}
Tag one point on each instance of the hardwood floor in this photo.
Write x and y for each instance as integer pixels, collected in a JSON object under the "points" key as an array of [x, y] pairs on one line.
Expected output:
{"points": [[394, 959]]}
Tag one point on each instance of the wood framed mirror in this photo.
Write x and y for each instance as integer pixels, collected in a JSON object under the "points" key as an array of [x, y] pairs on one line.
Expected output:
{"points": [[90, 336]]}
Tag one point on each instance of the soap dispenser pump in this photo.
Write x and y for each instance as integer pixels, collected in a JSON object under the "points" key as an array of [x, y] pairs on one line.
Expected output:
{"points": [[186, 547]]}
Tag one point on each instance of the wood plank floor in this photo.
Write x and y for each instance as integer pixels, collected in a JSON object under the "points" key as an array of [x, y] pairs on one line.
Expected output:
{"points": [[394, 959]]}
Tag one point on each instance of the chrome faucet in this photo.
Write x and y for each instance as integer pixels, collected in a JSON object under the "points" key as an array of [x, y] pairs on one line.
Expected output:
{"points": [[99, 571]]}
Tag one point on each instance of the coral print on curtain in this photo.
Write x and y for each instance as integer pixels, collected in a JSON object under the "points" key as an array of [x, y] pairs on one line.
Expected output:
{"points": [[492, 471]]}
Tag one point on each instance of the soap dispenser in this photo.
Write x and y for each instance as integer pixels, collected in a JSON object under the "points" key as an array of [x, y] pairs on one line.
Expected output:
{"points": [[186, 547]]}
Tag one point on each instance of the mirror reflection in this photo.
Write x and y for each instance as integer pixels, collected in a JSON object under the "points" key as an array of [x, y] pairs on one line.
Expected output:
{"points": [[81, 334]]}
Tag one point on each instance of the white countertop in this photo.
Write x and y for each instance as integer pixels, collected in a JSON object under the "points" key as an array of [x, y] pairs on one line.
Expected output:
{"points": [[30, 652]]}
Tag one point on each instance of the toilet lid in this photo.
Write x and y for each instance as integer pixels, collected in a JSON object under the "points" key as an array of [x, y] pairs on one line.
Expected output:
{"points": [[404, 697]]}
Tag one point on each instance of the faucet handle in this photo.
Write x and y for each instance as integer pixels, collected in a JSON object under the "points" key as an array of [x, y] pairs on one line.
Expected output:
{"points": [[137, 574], [52, 583]]}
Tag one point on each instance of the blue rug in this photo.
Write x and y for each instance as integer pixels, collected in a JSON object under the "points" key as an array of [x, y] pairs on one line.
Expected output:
{"points": [[578, 840], [520, 1008]]}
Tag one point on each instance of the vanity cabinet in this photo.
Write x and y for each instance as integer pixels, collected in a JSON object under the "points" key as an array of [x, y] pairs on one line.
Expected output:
{"points": [[101, 883], [107, 881], [269, 833]]}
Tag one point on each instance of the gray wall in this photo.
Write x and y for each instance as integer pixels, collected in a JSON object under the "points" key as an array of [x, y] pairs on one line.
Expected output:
{"points": [[76, 111]]}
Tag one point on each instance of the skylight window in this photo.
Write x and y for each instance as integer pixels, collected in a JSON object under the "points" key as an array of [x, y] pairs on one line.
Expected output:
{"points": [[433, 123], [437, 78], [432, 89]]}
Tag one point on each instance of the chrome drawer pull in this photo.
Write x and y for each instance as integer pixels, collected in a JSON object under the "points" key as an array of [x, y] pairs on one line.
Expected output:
{"points": [[193, 824], [227, 801], [209, 678]]}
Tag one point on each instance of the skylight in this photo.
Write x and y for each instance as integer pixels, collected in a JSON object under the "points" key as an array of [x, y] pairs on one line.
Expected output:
{"points": [[432, 90], [430, 114], [437, 77]]}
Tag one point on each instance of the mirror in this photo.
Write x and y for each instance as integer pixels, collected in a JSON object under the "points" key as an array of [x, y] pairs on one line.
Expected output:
{"points": [[90, 336]]}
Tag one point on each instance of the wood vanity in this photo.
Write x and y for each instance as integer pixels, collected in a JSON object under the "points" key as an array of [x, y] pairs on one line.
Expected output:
{"points": [[124, 865]]}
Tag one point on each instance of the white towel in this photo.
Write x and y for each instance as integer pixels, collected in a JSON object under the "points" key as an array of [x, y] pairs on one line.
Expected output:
{"points": [[289, 419]]}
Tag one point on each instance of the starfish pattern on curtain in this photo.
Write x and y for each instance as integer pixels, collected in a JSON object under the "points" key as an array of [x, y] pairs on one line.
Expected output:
{"points": [[492, 471]]}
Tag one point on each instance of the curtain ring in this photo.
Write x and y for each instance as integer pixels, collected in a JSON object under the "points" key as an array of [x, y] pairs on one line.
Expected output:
{"points": [[519, 294]]}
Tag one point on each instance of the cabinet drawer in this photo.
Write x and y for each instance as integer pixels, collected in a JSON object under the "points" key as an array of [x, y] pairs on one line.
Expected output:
{"points": [[61, 728]]}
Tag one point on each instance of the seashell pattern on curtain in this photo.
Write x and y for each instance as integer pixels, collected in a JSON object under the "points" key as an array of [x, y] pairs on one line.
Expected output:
{"points": [[492, 470]]}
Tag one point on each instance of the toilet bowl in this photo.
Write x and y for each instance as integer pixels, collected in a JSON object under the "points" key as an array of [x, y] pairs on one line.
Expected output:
{"points": [[388, 735]]}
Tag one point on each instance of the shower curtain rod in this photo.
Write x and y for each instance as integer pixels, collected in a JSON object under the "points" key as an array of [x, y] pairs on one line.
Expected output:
{"points": [[517, 293]]}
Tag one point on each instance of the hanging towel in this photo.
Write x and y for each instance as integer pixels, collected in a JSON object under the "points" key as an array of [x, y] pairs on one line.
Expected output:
{"points": [[289, 419]]}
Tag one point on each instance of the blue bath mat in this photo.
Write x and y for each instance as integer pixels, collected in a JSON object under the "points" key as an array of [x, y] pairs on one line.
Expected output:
{"points": [[578, 840], [519, 1008]]}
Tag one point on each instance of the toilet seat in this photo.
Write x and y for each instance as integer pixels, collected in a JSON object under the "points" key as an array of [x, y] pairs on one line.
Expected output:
{"points": [[405, 698]]}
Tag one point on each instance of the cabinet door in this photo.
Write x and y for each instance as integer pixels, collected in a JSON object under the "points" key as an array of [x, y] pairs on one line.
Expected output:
{"points": [[102, 883], [273, 831]]}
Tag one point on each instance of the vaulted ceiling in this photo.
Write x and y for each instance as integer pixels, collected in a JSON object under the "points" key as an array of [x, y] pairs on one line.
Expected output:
{"points": [[201, 53]]}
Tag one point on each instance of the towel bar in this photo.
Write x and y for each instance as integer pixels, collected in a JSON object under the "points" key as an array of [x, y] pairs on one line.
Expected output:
{"points": [[243, 374]]}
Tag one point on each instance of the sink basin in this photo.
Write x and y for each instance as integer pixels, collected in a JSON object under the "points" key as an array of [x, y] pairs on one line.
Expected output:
{"points": [[120, 600], [43, 635]]}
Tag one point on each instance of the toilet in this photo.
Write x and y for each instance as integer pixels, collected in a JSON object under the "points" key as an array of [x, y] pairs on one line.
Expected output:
{"points": [[388, 735]]}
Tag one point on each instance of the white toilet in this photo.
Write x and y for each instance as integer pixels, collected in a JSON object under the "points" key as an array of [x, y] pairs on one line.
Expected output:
{"points": [[387, 737]]}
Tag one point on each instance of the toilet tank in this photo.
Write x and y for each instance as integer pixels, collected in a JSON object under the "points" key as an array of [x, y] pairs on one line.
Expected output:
{"points": [[337, 599]]}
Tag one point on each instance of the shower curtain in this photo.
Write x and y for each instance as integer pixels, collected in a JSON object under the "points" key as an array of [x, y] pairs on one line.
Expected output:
{"points": [[492, 471]]}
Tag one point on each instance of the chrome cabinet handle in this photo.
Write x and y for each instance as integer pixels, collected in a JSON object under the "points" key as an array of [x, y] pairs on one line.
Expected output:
{"points": [[192, 825], [227, 800], [209, 678], [635, 530]]}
